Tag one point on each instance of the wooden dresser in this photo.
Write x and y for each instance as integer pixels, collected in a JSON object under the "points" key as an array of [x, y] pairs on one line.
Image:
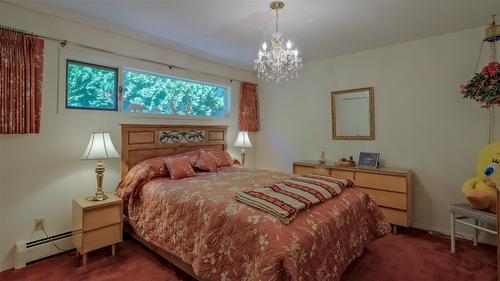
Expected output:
{"points": [[391, 189]]}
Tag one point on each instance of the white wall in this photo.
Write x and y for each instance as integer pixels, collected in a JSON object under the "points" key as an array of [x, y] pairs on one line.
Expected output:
{"points": [[422, 122], [41, 173]]}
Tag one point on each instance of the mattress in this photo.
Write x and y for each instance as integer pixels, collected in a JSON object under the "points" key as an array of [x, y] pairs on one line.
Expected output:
{"points": [[198, 220]]}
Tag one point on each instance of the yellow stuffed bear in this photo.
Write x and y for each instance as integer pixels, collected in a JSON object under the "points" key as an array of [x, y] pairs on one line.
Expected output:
{"points": [[480, 190]]}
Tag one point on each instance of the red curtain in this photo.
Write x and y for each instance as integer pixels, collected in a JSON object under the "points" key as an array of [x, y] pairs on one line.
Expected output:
{"points": [[21, 72], [249, 108]]}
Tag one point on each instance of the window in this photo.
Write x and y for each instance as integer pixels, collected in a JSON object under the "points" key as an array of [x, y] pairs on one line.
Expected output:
{"points": [[153, 93], [90, 86]]}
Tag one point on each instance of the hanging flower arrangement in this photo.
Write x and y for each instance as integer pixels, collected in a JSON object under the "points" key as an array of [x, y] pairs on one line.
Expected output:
{"points": [[484, 87]]}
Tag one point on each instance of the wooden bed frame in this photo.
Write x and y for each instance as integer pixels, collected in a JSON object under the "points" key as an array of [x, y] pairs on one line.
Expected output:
{"points": [[141, 142]]}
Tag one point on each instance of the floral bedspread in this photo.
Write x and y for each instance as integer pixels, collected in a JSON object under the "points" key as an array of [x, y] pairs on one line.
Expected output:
{"points": [[198, 220]]}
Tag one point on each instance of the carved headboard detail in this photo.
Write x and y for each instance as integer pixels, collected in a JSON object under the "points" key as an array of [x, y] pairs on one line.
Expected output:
{"points": [[141, 142]]}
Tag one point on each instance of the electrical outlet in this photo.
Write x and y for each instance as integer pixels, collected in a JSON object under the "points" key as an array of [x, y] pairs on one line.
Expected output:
{"points": [[39, 223]]}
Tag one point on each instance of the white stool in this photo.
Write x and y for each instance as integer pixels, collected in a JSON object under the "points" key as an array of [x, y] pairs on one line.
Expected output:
{"points": [[460, 212]]}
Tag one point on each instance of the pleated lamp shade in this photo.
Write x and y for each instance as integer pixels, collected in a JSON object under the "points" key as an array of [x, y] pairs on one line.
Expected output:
{"points": [[100, 147], [242, 140]]}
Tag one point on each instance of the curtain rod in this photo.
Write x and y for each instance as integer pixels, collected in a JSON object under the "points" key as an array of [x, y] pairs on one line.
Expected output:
{"points": [[170, 66]]}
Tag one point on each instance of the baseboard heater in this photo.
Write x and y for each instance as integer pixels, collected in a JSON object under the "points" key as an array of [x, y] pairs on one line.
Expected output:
{"points": [[29, 251]]}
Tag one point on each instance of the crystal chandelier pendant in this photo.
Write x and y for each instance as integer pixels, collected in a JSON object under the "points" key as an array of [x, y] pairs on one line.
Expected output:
{"points": [[280, 61]]}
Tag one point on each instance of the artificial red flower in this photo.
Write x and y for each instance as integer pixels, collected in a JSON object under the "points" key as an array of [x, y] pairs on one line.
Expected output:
{"points": [[491, 69], [484, 87]]}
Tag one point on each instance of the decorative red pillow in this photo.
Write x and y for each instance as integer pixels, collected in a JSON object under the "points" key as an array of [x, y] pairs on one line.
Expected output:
{"points": [[207, 162], [224, 158], [179, 167], [193, 155]]}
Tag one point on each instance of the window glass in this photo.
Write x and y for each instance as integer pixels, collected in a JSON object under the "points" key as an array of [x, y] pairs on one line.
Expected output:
{"points": [[90, 86], [154, 93]]}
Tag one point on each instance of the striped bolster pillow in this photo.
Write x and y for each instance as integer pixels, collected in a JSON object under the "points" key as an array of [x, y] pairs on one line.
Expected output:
{"points": [[286, 198]]}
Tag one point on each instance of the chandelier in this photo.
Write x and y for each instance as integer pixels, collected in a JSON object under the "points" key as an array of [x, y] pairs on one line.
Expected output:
{"points": [[280, 61]]}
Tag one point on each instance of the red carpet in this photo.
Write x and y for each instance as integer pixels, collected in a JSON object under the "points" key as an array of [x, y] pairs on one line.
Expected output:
{"points": [[417, 255], [411, 255]]}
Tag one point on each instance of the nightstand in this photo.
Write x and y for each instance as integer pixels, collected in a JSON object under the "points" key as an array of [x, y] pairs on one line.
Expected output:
{"points": [[97, 224]]}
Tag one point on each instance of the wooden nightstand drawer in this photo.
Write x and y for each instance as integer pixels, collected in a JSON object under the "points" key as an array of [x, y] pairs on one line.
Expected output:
{"points": [[302, 170], [383, 182], [99, 217], [386, 198], [101, 237]]}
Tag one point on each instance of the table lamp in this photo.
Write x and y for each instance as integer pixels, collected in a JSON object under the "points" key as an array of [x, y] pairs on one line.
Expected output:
{"points": [[242, 141], [100, 147]]}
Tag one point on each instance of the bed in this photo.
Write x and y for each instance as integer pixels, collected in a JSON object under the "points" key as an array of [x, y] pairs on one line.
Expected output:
{"points": [[197, 225]]}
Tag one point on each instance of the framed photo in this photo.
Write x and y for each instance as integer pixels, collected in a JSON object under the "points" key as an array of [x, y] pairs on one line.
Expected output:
{"points": [[368, 160]]}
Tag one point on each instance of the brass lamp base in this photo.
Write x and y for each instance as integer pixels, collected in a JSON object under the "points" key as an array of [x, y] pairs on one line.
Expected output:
{"points": [[243, 156], [96, 197], [99, 195]]}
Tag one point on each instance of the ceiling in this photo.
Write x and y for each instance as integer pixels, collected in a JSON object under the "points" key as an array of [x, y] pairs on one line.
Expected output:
{"points": [[232, 31]]}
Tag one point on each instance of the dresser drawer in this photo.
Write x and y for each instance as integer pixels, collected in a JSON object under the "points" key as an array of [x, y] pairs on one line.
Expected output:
{"points": [[302, 170], [395, 216], [387, 199], [379, 181], [342, 174], [99, 217], [105, 236]]}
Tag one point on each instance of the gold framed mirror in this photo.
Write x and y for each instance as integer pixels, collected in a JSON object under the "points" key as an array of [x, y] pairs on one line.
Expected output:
{"points": [[353, 114]]}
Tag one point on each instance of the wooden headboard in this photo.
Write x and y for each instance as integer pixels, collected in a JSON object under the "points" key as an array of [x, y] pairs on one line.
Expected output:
{"points": [[141, 142]]}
